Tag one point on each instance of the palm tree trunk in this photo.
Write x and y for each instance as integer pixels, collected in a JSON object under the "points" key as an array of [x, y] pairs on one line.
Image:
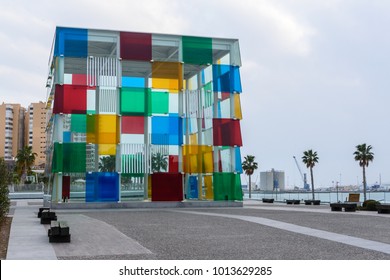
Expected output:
{"points": [[364, 183], [312, 182], [250, 187]]}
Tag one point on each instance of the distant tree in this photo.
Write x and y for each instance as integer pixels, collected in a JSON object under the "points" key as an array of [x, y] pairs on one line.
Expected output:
{"points": [[249, 166], [310, 158], [107, 164], [24, 161], [364, 155], [5, 179], [159, 162]]}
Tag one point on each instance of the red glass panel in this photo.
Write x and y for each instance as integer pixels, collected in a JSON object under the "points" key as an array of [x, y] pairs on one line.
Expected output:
{"points": [[70, 99], [173, 164], [136, 46], [65, 187], [226, 132], [167, 187], [58, 100], [132, 125]]}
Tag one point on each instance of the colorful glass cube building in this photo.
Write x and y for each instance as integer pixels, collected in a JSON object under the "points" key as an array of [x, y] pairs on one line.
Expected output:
{"points": [[139, 116]]}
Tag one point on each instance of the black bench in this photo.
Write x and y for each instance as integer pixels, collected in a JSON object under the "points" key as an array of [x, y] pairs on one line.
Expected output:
{"points": [[348, 206], [59, 232], [314, 202], [383, 208], [41, 209], [293, 201], [268, 200], [47, 217]]}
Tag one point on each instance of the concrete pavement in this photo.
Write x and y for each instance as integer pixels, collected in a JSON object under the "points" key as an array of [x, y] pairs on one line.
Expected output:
{"points": [[255, 231]]}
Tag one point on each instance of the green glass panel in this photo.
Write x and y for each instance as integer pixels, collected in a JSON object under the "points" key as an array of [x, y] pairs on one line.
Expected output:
{"points": [[227, 186], [74, 155], [56, 165], [197, 50], [135, 101], [78, 123], [160, 102]]}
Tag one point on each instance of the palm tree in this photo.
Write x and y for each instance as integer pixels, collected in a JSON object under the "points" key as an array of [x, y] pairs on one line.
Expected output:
{"points": [[249, 166], [364, 155], [310, 158], [25, 159], [107, 164], [159, 162]]}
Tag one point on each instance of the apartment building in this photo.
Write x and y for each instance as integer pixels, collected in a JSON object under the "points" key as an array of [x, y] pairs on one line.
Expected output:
{"points": [[11, 130], [35, 131]]}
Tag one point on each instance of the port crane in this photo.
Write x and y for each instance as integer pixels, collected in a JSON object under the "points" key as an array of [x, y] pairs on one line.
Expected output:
{"points": [[303, 175]]}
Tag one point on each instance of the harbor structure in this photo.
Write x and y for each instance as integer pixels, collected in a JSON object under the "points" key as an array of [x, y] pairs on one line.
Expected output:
{"points": [[272, 180]]}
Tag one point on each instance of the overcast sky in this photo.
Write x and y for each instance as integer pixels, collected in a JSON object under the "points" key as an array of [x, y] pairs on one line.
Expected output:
{"points": [[315, 74]]}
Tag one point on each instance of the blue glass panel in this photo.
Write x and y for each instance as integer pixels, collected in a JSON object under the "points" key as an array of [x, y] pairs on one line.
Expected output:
{"points": [[71, 42], [66, 137], [136, 82], [221, 79], [167, 130], [193, 184], [102, 186], [90, 189], [238, 160], [226, 78], [236, 79]]}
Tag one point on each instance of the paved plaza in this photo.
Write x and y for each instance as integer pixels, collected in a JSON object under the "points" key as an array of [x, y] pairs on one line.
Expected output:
{"points": [[255, 231]]}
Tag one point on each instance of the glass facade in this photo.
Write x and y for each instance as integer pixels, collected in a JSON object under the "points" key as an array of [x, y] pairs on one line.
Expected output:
{"points": [[139, 116]]}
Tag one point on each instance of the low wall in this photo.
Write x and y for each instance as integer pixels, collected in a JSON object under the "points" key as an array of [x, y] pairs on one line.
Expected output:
{"points": [[145, 204]]}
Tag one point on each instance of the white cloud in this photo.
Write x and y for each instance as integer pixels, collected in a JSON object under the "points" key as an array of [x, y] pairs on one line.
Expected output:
{"points": [[271, 22]]}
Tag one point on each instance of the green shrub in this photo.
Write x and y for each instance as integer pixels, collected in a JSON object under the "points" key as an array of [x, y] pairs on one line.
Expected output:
{"points": [[370, 205], [4, 181]]}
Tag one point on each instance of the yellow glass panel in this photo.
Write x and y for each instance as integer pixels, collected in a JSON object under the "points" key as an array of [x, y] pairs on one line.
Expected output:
{"points": [[107, 138], [167, 75], [193, 167], [91, 137], [107, 129], [237, 107], [170, 84], [106, 123], [208, 183], [107, 149], [208, 161], [197, 159]]}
